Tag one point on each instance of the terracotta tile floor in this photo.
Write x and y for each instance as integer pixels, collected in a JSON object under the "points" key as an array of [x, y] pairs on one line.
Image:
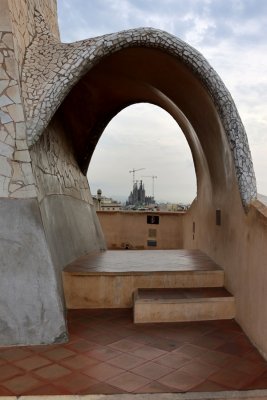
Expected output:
{"points": [[108, 354]]}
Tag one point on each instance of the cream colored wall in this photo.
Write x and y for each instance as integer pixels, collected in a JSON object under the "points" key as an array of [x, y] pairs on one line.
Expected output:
{"points": [[239, 246], [131, 227]]}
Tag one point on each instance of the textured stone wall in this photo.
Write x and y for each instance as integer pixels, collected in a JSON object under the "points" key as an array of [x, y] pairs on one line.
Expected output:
{"points": [[55, 168], [16, 178], [23, 24], [17, 30], [69, 218]]}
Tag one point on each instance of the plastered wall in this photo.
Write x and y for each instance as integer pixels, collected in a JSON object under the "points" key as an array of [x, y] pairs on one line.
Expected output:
{"points": [[239, 246], [131, 228]]}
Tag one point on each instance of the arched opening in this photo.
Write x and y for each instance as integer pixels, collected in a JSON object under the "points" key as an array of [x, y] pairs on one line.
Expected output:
{"points": [[135, 75], [144, 136]]}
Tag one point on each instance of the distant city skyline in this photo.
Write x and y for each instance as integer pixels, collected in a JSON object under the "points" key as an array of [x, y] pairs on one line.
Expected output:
{"points": [[230, 34], [162, 152]]}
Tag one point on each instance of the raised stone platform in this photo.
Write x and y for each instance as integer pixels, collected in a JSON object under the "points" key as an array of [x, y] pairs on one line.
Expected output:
{"points": [[180, 305], [108, 279]]}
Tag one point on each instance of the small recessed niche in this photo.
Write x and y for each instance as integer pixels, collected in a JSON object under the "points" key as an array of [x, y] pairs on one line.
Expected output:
{"points": [[218, 217], [152, 243], [152, 233]]}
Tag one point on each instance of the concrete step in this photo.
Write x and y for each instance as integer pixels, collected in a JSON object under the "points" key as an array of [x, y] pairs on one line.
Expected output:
{"points": [[179, 305], [108, 279], [115, 289]]}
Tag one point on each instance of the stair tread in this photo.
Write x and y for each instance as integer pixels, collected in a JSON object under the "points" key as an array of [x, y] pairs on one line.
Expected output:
{"points": [[181, 293], [131, 262]]}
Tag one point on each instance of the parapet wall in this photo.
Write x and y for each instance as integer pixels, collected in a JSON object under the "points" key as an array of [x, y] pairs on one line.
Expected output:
{"points": [[126, 229], [238, 244]]}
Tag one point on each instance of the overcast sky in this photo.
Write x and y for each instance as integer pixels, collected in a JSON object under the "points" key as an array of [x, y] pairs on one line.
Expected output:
{"points": [[231, 34]]}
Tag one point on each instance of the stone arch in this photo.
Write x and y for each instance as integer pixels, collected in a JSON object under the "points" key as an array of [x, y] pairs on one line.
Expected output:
{"points": [[220, 143]]}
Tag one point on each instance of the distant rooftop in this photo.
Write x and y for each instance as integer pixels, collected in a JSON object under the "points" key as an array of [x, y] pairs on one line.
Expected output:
{"points": [[262, 198]]}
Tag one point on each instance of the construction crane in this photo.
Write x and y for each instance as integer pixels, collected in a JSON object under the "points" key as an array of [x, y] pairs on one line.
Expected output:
{"points": [[153, 183], [133, 172]]}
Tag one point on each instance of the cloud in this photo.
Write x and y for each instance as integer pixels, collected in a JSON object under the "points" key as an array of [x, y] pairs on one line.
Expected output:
{"points": [[144, 136]]}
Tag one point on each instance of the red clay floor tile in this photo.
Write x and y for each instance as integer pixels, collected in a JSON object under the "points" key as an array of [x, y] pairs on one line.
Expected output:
{"points": [[128, 381], [126, 361], [8, 371], [58, 354], [80, 346], [33, 362], [259, 383], [52, 372], [108, 354], [79, 362], [105, 339], [5, 392], [165, 344], [199, 368], [231, 378], [215, 358], [191, 350], [181, 381], [148, 352], [22, 384], [14, 354], [174, 360], [2, 362], [75, 383], [102, 388], [46, 390], [235, 348], [102, 353], [247, 366], [152, 370], [209, 342], [125, 345], [103, 371], [155, 387], [208, 386]]}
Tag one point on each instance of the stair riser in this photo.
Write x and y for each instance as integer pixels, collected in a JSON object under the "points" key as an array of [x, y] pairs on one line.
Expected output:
{"points": [[184, 311], [115, 290]]}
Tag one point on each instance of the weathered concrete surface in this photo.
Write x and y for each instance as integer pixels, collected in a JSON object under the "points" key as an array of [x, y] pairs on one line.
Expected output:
{"points": [[31, 311], [72, 228], [131, 228]]}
